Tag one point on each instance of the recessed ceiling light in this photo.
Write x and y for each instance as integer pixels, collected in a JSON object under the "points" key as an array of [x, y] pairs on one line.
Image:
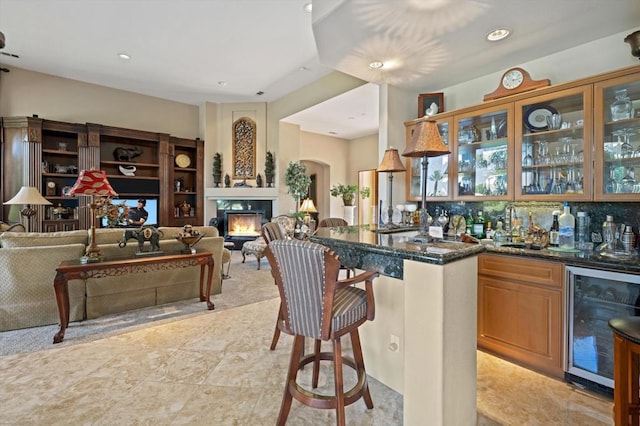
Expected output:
{"points": [[304, 69], [376, 65], [498, 34], [124, 56], [308, 7], [222, 83]]}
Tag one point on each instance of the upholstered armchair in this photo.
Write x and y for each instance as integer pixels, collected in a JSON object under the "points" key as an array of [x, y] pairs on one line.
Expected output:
{"points": [[257, 247]]}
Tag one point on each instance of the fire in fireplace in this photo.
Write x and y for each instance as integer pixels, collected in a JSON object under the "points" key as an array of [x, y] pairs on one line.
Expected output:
{"points": [[243, 224]]}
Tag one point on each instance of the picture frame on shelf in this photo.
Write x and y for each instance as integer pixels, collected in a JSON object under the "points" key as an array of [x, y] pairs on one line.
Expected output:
{"points": [[425, 101]]}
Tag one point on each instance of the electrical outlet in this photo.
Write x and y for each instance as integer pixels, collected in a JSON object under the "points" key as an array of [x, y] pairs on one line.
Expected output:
{"points": [[394, 343]]}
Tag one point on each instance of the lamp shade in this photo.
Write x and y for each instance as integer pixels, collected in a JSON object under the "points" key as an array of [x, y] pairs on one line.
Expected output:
{"points": [[391, 162], [29, 195], [308, 206], [426, 141], [93, 182]]}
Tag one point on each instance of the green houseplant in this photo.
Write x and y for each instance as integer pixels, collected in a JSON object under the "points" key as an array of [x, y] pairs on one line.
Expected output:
{"points": [[269, 169], [347, 192], [217, 169], [297, 180]]}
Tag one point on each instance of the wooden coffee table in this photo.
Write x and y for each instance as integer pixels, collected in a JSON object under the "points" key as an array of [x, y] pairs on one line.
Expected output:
{"points": [[109, 267]]}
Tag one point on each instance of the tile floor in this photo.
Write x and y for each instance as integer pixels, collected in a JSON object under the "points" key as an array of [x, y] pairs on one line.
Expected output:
{"points": [[216, 369]]}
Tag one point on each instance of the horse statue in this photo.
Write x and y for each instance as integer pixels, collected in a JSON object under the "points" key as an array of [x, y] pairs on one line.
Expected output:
{"points": [[142, 234], [126, 154]]}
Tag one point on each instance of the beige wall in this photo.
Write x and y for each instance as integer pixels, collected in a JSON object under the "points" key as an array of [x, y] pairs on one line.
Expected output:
{"points": [[25, 93], [333, 152]]}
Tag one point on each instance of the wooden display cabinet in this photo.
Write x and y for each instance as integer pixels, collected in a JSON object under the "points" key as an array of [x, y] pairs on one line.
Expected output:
{"points": [[187, 180], [483, 152], [521, 311], [554, 163], [617, 141]]}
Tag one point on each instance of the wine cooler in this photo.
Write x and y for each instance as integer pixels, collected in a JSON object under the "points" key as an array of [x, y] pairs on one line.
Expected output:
{"points": [[594, 297]]}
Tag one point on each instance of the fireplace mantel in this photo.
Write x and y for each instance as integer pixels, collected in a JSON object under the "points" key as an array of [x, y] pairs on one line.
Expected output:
{"points": [[242, 193]]}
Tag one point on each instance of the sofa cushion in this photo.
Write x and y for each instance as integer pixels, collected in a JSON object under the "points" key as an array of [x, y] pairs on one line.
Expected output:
{"points": [[42, 239]]}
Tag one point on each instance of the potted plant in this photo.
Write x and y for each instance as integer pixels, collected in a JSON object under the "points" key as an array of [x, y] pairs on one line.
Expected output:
{"points": [[365, 192], [269, 169], [217, 169], [347, 192], [297, 180]]}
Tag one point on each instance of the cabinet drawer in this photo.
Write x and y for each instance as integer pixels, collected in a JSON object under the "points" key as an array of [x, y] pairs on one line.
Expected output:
{"points": [[521, 269]]}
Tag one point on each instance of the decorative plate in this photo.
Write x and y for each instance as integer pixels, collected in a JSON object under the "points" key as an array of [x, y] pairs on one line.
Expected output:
{"points": [[183, 160], [535, 118]]}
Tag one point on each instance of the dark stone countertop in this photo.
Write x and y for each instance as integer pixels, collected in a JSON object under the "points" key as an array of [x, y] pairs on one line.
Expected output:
{"points": [[360, 247]]}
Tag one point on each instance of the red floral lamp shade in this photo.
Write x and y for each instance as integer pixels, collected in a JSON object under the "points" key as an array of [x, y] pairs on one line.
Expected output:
{"points": [[93, 182]]}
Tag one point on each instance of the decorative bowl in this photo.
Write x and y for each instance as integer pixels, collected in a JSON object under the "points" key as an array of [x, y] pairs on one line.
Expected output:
{"points": [[189, 241]]}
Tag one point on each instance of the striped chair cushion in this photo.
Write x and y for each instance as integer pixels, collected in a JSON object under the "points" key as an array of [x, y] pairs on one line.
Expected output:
{"points": [[349, 307]]}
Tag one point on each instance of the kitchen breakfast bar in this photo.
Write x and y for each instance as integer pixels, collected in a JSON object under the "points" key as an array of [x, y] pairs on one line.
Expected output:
{"points": [[422, 342]]}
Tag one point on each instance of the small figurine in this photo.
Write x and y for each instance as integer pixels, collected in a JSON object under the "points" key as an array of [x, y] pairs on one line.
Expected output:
{"points": [[227, 181]]}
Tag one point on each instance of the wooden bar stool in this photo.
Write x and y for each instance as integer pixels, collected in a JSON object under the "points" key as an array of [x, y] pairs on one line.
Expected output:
{"points": [[626, 371], [317, 305]]}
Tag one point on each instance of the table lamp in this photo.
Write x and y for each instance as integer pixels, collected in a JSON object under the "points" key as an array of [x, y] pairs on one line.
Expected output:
{"points": [[425, 142], [390, 163], [91, 183], [308, 207], [29, 196]]}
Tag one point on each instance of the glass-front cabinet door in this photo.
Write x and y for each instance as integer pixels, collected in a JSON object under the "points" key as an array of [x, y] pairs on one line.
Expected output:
{"points": [[552, 149], [617, 130], [482, 151], [439, 181]]}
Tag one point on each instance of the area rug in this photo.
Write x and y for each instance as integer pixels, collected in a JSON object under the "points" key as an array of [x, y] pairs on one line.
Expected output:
{"points": [[245, 286]]}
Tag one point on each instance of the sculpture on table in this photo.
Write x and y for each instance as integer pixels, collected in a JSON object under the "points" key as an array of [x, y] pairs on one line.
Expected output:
{"points": [[142, 235]]}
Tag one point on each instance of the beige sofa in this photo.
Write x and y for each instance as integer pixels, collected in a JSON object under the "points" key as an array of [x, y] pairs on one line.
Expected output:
{"points": [[27, 268]]}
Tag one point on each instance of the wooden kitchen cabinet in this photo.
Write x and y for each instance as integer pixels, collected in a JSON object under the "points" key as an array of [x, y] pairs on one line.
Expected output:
{"points": [[591, 155], [617, 148], [555, 163], [521, 311]]}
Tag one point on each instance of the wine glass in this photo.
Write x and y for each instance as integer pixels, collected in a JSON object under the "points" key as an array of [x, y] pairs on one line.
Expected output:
{"points": [[528, 158]]}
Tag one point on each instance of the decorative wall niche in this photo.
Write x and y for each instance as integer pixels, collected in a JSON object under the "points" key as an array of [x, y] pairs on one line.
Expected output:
{"points": [[244, 148]]}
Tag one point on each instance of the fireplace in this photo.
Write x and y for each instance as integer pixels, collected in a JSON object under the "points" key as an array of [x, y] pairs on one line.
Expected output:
{"points": [[242, 225]]}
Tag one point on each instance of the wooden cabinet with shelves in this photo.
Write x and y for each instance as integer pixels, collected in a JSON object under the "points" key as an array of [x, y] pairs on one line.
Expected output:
{"points": [[138, 164], [482, 148], [617, 136], [554, 162], [51, 152], [187, 180], [521, 311], [439, 184], [591, 155]]}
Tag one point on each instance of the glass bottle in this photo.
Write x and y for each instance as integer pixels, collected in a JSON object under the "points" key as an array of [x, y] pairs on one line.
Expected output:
{"points": [[499, 236], [470, 223], [628, 239], [567, 228], [516, 231], [583, 230], [554, 231], [621, 108], [478, 226], [490, 232]]}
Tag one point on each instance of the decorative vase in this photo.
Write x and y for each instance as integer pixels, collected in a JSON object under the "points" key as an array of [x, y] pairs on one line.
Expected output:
{"points": [[348, 201], [227, 181]]}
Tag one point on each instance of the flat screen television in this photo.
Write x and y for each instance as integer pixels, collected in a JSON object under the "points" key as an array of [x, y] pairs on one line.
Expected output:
{"points": [[132, 203]]}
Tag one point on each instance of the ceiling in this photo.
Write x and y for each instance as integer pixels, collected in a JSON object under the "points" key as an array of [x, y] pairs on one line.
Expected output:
{"points": [[197, 51]]}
